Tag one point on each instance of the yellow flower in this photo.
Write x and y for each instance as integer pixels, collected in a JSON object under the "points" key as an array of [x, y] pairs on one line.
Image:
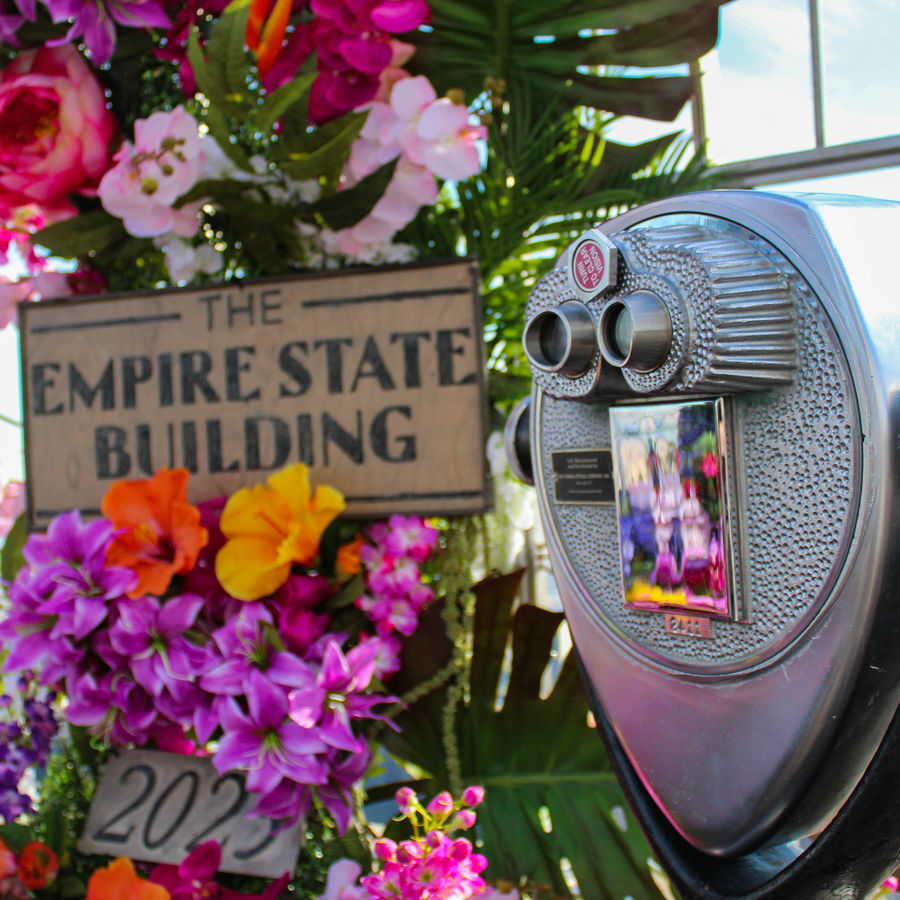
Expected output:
{"points": [[268, 529]]}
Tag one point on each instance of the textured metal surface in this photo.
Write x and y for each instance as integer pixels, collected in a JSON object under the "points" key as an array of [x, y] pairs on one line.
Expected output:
{"points": [[742, 332], [796, 497], [762, 732]]}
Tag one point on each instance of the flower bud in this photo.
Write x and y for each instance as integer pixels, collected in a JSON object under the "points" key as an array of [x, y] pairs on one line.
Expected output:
{"points": [[441, 805], [385, 849], [149, 185], [460, 849], [473, 795], [405, 798], [464, 819]]}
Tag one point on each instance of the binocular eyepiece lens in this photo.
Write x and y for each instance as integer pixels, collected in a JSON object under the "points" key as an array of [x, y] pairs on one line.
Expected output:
{"points": [[635, 332], [562, 339]]}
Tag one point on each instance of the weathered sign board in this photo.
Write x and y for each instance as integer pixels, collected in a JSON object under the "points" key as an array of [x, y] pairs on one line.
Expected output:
{"points": [[158, 807], [374, 379]]}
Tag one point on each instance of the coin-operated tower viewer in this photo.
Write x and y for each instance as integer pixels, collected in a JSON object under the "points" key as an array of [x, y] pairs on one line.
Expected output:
{"points": [[714, 436]]}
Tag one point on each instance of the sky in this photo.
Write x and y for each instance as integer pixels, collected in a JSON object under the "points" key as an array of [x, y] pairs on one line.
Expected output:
{"points": [[758, 101]]}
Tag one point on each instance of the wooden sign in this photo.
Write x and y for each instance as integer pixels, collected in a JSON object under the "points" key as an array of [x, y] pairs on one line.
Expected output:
{"points": [[158, 807], [374, 379]]}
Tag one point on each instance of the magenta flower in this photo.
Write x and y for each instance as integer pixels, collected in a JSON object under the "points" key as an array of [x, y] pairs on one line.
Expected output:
{"points": [[265, 742], [194, 878], [61, 596], [410, 536], [95, 21], [337, 696], [245, 648], [151, 636], [336, 795], [114, 707]]}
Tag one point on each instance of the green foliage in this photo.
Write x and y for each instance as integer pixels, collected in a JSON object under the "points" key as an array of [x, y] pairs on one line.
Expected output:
{"points": [[533, 198], [11, 558], [548, 53], [65, 792], [551, 794]]}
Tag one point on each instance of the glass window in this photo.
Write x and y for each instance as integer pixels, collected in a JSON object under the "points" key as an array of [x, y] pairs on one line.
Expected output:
{"points": [[859, 67], [757, 86]]}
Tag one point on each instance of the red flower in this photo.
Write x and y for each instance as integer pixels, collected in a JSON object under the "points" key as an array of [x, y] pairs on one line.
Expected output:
{"points": [[38, 865]]}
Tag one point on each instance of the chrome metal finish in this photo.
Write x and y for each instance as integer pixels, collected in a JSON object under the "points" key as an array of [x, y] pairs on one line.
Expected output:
{"points": [[635, 332], [561, 340], [741, 330], [517, 441], [755, 720]]}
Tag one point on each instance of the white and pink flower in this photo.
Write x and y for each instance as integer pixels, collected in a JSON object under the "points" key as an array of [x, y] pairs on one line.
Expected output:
{"points": [[164, 163]]}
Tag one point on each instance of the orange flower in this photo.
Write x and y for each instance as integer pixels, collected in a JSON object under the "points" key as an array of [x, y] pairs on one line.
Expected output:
{"points": [[38, 865], [118, 881], [347, 560], [162, 535], [266, 28], [271, 528]]}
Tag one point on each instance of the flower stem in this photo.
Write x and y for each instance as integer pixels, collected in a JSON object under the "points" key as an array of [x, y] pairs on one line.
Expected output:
{"points": [[9, 421]]}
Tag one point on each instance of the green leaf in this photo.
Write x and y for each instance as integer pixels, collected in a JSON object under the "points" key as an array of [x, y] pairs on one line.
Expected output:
{"points": [[345, 209], [227, 62], [82, 234], [283, 98], [11, 558], [548, 799], [15, 836], [320, 152]]}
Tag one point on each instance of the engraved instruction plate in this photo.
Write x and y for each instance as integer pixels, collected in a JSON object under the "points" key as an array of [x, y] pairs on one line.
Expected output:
{"points": [[674, 532]]}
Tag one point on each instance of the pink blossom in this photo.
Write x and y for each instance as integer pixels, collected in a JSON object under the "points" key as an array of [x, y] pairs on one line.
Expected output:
{"points": [[411, 536], [12, 505], [341, 883], [441, 804], [11, 293], [163, 164], [55, 130], [473, 795], [354, 47]]}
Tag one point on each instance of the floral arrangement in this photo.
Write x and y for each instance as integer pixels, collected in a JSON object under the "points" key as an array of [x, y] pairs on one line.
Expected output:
{"points": [[254, 138], [259, 629], [432, 865]]}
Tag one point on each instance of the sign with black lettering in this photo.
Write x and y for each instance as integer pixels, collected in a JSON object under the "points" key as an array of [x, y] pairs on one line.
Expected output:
{"points": [[374, 379], [158, 807]]}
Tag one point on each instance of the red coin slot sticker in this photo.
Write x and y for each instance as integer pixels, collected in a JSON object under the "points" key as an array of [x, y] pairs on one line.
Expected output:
{"points": [[589, 266]]}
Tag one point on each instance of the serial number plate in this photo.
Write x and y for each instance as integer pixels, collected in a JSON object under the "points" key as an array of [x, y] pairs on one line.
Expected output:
{"points": [[158, 807]]}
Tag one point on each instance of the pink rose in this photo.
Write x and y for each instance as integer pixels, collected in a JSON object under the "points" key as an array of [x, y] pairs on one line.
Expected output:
{"points": [[55, 130]]}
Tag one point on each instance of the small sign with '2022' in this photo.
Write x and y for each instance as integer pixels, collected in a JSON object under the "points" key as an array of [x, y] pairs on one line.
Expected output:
{"points": [[158, 807]]}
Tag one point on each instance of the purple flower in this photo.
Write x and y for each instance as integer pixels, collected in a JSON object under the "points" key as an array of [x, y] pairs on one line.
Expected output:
{"points": [[343, 775], [337, 696], [151, 636], [62, 596], [246, 647], [114, 707], [95, 21], [28, 633], [265, 743]]}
